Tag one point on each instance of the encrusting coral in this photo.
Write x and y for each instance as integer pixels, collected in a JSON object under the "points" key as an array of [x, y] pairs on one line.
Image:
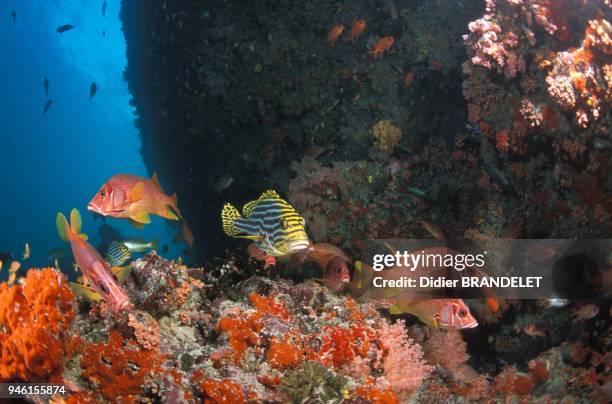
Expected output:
{"points": [[117, 368]]}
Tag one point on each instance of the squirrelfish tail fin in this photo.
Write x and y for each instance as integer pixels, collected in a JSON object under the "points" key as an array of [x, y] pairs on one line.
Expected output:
{"points": [[173, 211], [63, 229], [228, 215]]}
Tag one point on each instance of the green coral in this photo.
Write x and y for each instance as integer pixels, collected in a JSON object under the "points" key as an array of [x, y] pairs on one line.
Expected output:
{"points": [[313, 381]]}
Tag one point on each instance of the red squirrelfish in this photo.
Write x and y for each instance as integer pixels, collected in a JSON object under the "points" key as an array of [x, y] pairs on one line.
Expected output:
{"points": [[334, 262], [336, 276], [94, 268], [435, 313], [127, 196]]}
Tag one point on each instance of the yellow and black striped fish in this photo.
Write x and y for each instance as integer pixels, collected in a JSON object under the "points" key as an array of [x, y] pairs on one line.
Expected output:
{"points": [[117, 254], [270, 221]]}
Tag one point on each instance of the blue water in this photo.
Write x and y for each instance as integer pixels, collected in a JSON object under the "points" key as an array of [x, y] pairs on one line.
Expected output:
{"points": [[58, 161]]}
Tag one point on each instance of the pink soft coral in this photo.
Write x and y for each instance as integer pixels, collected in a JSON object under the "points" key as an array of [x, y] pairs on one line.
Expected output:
{"points": [[404, 367]]}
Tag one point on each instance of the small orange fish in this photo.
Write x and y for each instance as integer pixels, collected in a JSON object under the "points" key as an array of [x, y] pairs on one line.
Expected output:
{"points": [[493, 304], [381, 46], [15, 265], [534, 331], [334, 34], [357, 29]]}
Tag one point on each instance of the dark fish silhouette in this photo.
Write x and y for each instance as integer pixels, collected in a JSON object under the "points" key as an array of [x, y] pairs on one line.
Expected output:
{"points": [[104, 9], [104, 34], [46, 84], [47, 106], [92, 90], [14, 16], [6, 257], [63, 28]]}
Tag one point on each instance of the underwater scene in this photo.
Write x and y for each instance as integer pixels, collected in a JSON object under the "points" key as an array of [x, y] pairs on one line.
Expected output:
{"points": [[365, 201]]}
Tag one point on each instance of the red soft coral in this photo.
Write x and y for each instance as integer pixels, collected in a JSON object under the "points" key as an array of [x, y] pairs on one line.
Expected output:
{"points": [[34, 322]]}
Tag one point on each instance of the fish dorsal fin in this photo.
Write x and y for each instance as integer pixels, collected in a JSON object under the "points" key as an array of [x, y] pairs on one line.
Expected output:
{"points": [[75, 221], [248, 208], [155, 181], [63, 229], [270, 193], [228, 215], [136, 193]]}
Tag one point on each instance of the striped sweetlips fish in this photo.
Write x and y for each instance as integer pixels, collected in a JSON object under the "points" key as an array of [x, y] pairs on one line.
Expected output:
{"points": [[271, 222]]}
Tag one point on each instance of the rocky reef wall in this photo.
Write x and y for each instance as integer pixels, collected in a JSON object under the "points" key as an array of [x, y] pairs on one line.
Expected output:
{"points": [[229, 94]]}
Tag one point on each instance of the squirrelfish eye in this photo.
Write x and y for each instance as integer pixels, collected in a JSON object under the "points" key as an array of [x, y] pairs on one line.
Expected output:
{"points": [[103, 193], [103, 288], [462, 313], [338, 271]]}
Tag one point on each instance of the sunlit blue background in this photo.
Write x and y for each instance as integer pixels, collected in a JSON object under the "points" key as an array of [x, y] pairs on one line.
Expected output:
{"points": [[57, 161]]}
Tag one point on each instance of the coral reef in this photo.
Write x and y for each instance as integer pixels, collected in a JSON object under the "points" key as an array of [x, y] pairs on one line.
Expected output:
{"points": [[276, 341], [364, 147], [550, 117]]}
